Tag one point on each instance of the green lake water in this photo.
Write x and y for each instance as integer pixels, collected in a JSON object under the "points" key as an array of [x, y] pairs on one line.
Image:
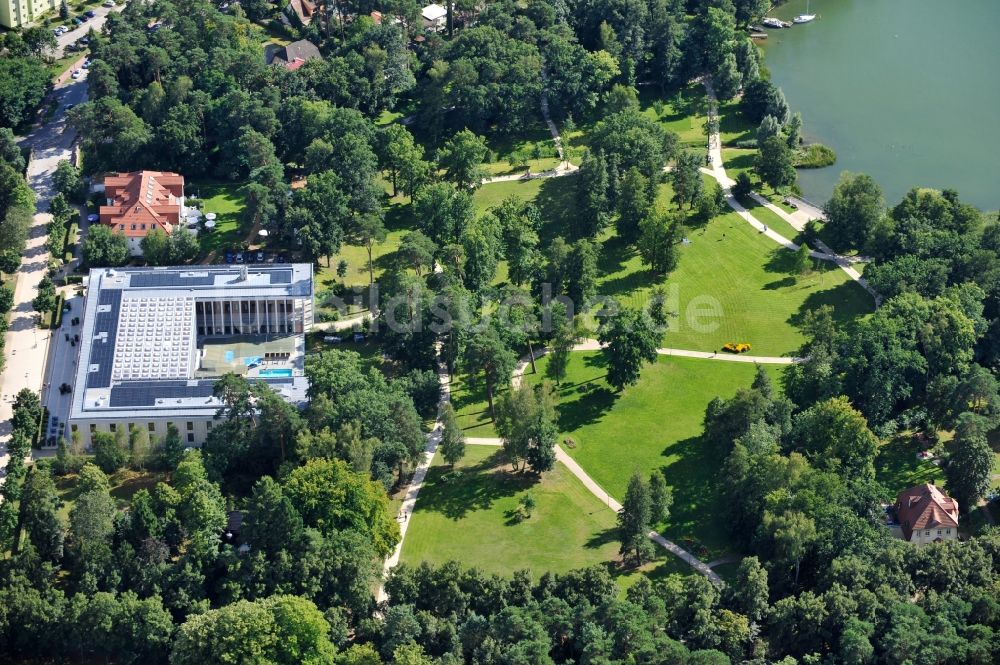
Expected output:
{"points": [[905, 90]]}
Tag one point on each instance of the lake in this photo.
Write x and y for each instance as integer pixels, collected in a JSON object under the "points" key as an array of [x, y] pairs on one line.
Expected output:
{"points": [[905, 90]]}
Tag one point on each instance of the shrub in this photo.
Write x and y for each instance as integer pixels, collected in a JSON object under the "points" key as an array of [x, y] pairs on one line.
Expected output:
{"points": [[814, 156]]}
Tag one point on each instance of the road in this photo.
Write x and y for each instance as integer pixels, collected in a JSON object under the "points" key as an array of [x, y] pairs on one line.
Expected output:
{"points": [[95, 23], [27, 345]]}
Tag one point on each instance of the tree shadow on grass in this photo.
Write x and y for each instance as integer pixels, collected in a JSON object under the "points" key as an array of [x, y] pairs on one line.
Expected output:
{"points": [[741, 161], [602, 538], [698, 510], [588, 409], [783, 283], [476, 488], [848, 299], [614, 254], [780, 260], [556, 202]]}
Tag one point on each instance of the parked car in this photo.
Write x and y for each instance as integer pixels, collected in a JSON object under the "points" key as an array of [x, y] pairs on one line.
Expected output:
{"points": [[76, 74], [230, 257], [69, 107], [76, 21], [239, 257], [90, 13], [260, 257], [333, 339], [359, 337], [108, 3]]}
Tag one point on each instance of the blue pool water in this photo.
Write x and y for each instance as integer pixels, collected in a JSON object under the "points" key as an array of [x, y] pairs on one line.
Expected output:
{"points": [[274, 372]]}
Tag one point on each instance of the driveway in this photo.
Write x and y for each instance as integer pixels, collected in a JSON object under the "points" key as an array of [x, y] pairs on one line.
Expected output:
{"points": [[27, 346]]}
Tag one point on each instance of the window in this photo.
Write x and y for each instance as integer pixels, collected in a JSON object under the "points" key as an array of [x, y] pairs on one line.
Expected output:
{"points": [[121, 227], [72, 428], [151, 427], [948, 531], [143, 227], [939, 532], [190, 438], [209, 424], [190, 426], [927, 533], [112, 427], [93, 428], [133, 227]]}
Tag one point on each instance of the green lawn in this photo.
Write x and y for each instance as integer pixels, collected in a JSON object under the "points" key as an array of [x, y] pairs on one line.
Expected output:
{"points": [[655, 424], [733, 126], [226, 200], [731, 270], [471, 518], [536, 142], [471, 407], [555, 198], [898, 468], [771, 219], [683, 114]]}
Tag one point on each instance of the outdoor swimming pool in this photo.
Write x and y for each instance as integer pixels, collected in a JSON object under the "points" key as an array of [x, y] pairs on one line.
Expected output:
{"points": [[274, 372]]}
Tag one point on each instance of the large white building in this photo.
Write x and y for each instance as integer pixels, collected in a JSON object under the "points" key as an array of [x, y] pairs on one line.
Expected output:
{"points": [[154, 341], [19, 13]]}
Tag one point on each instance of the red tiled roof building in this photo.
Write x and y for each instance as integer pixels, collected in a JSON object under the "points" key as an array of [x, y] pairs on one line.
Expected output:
{"points": [[926, 514], [141, 201]]}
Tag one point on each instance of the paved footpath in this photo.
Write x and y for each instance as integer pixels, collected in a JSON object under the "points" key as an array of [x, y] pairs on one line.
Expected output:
{"points": [[26, 344], [798, 221], [595, 489], [594, 345], [417, 482]]}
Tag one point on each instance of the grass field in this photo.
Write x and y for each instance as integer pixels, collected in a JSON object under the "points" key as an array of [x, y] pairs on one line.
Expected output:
{"points": [[535, 142], [771, 219], [124, 484], [471, 518], [227, 201], [684, 114], [744, 277], [655, 424], [471, 407], [897, 466]]}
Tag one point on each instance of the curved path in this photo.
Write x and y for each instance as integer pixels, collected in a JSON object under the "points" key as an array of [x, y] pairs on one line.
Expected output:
{"points": [[594, 345], [718, 172], [612, 504]]}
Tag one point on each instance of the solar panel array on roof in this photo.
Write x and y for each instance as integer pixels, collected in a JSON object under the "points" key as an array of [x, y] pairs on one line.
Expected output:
{"points": [[281, 276], [145, 393], [102, 349], [168, 278]]}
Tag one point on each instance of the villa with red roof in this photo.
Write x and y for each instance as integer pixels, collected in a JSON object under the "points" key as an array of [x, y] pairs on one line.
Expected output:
{"points": [[924, 514], [138, 202]]}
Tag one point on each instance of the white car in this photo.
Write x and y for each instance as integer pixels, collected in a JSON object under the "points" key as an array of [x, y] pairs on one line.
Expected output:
{"points": [[76, 74], [108, 3]]}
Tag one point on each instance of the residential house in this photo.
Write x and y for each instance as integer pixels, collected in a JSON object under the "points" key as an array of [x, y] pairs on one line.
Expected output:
{"points": [[138, 202], [298, 13], [295, 55], [435, 17], [924, 514]]}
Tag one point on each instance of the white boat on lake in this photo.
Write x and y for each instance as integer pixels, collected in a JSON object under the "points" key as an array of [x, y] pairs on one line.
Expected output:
{"points": [[773, 22], [803, 18]]}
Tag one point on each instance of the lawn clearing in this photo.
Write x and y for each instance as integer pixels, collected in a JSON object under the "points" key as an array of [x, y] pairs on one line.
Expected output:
{"points": [[773, 221], [555, 198], [535, 143], [733, 125], [655, 424], [227, 201], [684, 113], [471, 518], [471, 407], [732, 270], [898, 468]]}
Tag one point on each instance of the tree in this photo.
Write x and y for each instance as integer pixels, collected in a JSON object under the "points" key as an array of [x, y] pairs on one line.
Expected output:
{"points": [[156, 248], [452, 440], [969, 470], [109, 455], [592, 193], [634, 521], [774, 163], [628, 341], [661, 497], [103, 248], [461, 157], [581, 273], [401, 156], [489, 354], [482, 248], [331, 497], [635, 203], [526, 423], [659, 242], [802, 263], [854, 210], [417, 251], [686, 179], [39, 515], [368, 231], [749, 595], [442, 212], [792, 532], [69, 182], [113, 136], [727, 78], [768, 127], [184, 245], [741, 190], [832, 434], [23, 82], [45, 301], [762, 98], [563, 340], [284, 630]]}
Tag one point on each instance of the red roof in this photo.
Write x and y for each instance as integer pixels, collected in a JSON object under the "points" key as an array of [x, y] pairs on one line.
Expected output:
{"points": [[925, 507], [140, 201]]}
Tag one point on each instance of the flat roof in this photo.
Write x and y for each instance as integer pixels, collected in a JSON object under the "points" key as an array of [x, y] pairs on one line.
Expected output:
{"points": [[139, 354]]}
